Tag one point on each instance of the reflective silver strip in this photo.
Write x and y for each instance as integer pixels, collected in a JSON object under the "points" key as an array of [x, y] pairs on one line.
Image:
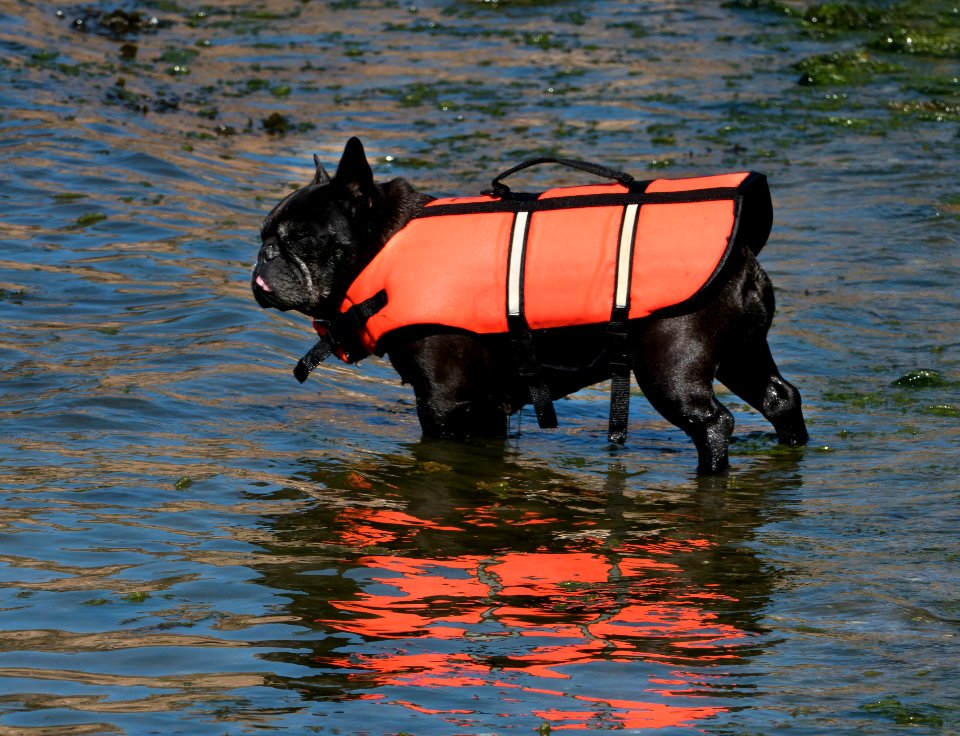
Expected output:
{"points": [[515, 267], [625, 257]]}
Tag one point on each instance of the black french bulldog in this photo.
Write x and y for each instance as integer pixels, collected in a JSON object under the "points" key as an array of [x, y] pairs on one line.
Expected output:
{"points": [[318, 239]]}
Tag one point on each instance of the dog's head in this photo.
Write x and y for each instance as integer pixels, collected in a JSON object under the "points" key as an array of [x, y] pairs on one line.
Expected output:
{"points": [[316, 240]]}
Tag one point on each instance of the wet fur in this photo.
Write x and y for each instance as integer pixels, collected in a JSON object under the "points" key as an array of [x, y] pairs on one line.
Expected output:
{"points": [[319, 238]]}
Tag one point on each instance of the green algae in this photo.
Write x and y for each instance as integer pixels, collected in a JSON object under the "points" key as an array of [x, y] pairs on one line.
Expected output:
{"points": [[842, 68], [662, 134], [765, 444], [931, 110], [938, 44], [911, 393], [925, 99], [661, 163], [419, 93], [278, 124], [543, 41], [635, 29], [161, 99], [849, 122], [871, 42], [923, 378], [178, 60], [905, 714], [943, 410], [174, 55], [518, 3], [13, 297], [842, 16], [856, 399], [88, 220], [138, 597], [774, 6]]}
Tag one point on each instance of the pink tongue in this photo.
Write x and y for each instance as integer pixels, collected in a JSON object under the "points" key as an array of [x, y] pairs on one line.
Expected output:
{"points": [[263, 284]]}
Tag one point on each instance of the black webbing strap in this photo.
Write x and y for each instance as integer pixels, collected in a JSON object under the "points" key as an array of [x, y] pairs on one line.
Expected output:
{"points": [[501, 191], [516, 202], [618, 344], [619, 362], [341, 333], [543, 405], [520, 335], [314, 357], [529, 369]]}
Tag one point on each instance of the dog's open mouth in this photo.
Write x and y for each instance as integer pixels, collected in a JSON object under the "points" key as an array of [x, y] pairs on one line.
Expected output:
{"points": [[263, 284]]}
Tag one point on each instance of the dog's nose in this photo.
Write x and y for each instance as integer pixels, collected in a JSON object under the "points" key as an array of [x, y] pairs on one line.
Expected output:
{"points": [[269, 251]]}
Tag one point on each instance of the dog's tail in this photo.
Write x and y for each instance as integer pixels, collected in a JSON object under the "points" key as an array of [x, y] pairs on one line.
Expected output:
{"points": [[755, 218]]}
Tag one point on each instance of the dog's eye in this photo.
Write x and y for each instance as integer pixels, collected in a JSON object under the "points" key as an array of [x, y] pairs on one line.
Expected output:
{"points": [[291, 233], [302, 238]]}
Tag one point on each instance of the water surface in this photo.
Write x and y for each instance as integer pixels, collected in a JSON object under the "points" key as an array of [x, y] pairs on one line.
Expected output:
{"points": [[192, 543]]}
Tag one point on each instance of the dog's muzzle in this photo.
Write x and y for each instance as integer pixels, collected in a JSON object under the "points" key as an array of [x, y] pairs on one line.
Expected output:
{"points": [[262, 292]]}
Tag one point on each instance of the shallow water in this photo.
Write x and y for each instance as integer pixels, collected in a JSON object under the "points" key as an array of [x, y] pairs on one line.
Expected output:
{"points": [[193, 543]]}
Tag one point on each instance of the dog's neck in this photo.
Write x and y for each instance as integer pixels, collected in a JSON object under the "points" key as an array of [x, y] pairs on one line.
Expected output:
{"points": [[401, 203]]}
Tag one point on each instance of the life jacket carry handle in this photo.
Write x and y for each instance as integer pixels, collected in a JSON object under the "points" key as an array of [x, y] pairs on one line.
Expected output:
{"points": [[502, 191]]}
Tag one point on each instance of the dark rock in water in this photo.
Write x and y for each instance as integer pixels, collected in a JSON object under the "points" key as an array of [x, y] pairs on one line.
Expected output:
{"points": [[117, 24]]}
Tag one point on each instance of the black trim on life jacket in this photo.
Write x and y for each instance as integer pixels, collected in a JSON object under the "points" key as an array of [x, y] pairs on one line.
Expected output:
{"points": [[520, 203], [754, 216], [753, 220]]}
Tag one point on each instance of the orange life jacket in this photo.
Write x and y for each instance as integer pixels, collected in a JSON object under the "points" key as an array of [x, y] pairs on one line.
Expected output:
{"points": [[513, 263], [568, 257]]}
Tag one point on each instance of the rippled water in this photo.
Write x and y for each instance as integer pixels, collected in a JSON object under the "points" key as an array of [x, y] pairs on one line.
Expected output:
{"points": [[193, 543]]}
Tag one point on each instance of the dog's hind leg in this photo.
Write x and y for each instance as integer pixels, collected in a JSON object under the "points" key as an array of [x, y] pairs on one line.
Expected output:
{"points": [[676, 376], [751, 373]]}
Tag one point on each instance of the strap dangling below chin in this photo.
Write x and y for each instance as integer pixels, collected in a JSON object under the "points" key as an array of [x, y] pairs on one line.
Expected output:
{"points": [[314, 357]]}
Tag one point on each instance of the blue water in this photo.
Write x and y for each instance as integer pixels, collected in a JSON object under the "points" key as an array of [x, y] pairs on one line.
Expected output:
{"points": [[193, 543]]}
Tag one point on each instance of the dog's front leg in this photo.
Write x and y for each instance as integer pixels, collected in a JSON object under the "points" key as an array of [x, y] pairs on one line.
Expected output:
{"points": [[453, 377]]}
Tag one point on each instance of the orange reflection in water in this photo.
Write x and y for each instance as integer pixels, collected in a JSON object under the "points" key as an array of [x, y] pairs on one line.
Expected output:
{"points": [[529, 621]]}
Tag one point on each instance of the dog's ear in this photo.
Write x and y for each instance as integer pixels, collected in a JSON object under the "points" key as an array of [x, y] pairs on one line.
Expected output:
{"points": [[321, 177], [353, 168], [355, 178]]}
